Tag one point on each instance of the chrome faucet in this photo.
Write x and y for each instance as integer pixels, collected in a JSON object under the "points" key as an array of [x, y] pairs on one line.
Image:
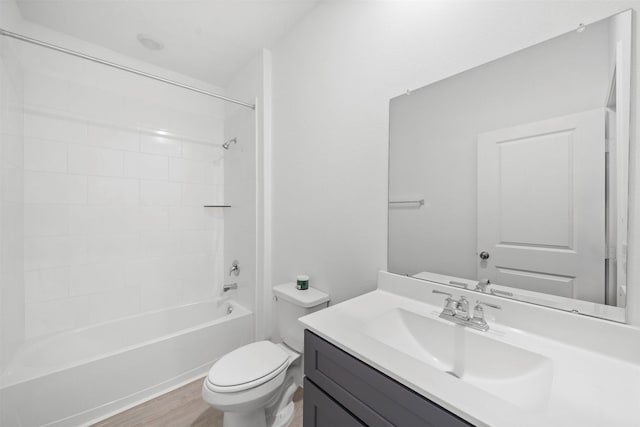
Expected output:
{"points": [[235, 268], [462, 309], [478, 321], [482, 285], [450, 305], [457, 311]]}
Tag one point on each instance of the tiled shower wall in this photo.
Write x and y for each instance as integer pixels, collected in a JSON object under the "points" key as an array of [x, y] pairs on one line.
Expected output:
{"points": [[117, 170], [12, 306]]}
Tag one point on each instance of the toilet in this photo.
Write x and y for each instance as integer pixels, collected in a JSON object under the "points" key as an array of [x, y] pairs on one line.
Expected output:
{"points": [[254, 384]]}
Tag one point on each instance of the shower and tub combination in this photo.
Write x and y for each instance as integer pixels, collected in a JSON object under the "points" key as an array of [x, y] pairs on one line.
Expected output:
{"points": [[75, 377], [126, 295]]}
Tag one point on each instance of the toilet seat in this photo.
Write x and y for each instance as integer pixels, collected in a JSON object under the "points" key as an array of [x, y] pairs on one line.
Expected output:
{"points": [[247, 367]]}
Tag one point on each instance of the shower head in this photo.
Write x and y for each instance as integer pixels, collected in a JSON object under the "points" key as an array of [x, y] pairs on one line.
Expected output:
{"points": [[227, 144]]}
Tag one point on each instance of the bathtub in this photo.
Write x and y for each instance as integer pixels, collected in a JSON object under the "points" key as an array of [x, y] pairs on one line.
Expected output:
{"points": [[79, 377]]}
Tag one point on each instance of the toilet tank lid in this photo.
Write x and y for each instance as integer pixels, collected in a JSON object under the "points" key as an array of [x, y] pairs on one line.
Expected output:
{"points": [[303, 298]]}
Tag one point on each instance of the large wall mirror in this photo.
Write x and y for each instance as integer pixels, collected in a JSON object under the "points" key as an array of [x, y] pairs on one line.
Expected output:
{"points": [[512, 178]]}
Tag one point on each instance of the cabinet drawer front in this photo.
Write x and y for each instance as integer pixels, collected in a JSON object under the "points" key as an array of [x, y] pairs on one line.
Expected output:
{"points": [[319, 410], [344, 377]]}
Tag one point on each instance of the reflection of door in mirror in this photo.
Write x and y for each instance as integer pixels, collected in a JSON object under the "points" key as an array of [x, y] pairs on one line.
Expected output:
{"points": [[541, 206], [525, 158]]}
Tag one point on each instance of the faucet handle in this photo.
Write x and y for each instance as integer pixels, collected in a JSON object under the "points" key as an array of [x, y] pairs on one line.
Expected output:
{"points": [[478, 315], [479, 304], [450, 303], [235, 268]]}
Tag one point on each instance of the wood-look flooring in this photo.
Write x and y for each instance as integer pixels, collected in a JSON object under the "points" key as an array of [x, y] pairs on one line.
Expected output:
{"points": [[181, 408]]}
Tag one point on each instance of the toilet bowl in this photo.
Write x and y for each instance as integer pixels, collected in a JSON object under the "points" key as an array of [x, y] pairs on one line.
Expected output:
{"points": [[254, 384], [247, 383]]}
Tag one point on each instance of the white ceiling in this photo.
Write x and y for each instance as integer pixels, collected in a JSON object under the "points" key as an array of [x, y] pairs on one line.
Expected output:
{"points": [[206, 39]]}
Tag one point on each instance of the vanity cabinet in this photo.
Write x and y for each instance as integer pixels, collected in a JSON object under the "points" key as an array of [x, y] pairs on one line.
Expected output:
{"points": [[340, 390]]}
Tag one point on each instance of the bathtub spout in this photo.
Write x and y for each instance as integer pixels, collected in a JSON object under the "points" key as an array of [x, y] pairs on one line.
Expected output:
{"points": [[228, 287]]}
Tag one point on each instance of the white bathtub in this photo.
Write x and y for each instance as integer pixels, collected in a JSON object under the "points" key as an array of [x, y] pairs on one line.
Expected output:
{"points": [[74, 378]]}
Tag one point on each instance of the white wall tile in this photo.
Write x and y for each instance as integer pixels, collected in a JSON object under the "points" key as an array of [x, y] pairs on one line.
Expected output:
{"points": [[57, 251], [205, 152], [112, 247], [152, 218], [195, 273], [159, 244], [103, 219], [156, 296], [108, 231], [104, 191], [111, 137], [150, 113], [47, 317], [45, 187], [198, 195], [103, 107], [46, 220], [150, 273], [96, 277], [214, 175], [54, 128], [187, 218], [41, 90], [56, 315], [182, 170], [181, 123], [45, 285], [45, 156], [160, 193], [113, 304], [196, 242], [198, 126], [13, 147], [78, 217], [95, 161], [160, 145], [146, 166], [13, 179]]}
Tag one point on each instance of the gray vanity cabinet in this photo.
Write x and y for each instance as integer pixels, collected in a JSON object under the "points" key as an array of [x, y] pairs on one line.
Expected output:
{"points": [[342, 391]]}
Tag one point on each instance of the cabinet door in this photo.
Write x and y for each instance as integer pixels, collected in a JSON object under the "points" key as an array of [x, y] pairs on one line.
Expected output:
{"points": [[322, 411], [373, 397]]}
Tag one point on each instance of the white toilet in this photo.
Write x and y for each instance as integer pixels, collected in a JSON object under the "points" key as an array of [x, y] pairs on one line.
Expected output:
{"points": [[254, 384]]}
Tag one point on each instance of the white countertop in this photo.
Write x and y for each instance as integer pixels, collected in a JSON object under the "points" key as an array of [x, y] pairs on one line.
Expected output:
{"points": [[590, 386]]}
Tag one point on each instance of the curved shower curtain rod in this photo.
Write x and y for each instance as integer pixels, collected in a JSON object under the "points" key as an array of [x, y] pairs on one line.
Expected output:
{"points": [[120, 67]]}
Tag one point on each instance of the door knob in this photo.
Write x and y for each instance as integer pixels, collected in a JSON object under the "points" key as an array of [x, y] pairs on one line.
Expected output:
{"points": [[484, 255]]}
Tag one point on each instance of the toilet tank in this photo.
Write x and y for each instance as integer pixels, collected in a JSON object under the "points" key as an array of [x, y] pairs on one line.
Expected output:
{"points": [[292, 304]]}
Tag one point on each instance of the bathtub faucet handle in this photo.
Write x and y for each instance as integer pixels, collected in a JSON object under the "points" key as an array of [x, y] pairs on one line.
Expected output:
{"points": [[235, 268]]}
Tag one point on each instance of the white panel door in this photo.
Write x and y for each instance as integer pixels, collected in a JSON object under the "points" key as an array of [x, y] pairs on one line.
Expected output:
{"points": [[541, 206]]}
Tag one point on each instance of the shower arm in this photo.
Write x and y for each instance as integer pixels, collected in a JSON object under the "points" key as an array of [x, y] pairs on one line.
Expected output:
{"points": [[228, 143]]}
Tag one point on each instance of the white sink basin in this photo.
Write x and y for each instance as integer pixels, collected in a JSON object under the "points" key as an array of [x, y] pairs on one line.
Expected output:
{"points": [[519, 376]]}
